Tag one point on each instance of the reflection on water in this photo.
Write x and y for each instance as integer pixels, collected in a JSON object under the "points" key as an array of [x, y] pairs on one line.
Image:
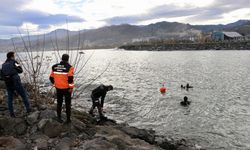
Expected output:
{"points": [[219, 115]]}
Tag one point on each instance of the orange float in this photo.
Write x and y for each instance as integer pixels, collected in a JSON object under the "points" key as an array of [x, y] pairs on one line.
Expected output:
{"points": [[163, 89]]}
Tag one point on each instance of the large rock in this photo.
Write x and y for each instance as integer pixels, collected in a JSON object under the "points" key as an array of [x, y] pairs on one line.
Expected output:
{"points": [[42, 143], [64, 144], [47, 114], [79, 126], [121, 140], [175, 144], [2, 96], [54, 129], [98, 144], [146, 135], [11, 143], [41, 124], [16, 126], [32, 118]]}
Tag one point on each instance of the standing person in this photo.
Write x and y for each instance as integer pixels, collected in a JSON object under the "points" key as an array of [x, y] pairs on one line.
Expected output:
{"points": [[62, 76], [99, 92], [10, 70]]}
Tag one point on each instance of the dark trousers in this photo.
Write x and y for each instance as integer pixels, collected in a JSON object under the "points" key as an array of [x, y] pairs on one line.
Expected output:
{"points": [[18, 87], [96, 103], [63, 93]]}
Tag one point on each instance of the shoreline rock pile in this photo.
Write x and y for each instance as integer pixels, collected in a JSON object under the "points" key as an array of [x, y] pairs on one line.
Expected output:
{"points": [[39, 130]]}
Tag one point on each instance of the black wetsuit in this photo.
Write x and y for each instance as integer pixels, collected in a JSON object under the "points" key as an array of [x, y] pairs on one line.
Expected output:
{"points": [[185, 103], [99, 92]]}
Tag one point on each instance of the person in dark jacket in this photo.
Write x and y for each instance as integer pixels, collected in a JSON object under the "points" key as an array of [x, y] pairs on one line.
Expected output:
{"points": [[185, 101], [62, 76], [99, 92], [10, 70]]}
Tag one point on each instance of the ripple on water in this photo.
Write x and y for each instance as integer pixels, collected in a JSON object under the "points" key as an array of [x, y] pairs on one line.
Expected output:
{"points": [[219, 115]]}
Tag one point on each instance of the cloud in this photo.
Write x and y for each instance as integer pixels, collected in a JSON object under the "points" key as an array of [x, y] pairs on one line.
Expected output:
{"points": [[14, 15], [219, 8], [47, 15], [213, 11], [163, 11], [17, 18]]}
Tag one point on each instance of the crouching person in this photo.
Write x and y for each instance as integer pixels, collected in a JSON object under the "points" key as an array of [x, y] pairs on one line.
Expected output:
{"points": [[97, 93]]}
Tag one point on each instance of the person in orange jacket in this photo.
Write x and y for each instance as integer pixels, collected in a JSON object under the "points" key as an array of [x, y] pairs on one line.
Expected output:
{"points": [[62, 76]]}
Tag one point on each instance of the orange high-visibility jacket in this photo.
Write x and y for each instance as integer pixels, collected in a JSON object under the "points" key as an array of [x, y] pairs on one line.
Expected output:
{"points": [[62, 75]]}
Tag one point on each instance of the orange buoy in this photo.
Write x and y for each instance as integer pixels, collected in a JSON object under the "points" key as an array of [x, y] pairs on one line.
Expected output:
{"points": [[163, 89]]}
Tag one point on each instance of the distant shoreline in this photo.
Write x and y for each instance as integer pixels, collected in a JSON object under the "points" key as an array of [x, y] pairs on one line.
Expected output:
{"points": [[229, 45]]}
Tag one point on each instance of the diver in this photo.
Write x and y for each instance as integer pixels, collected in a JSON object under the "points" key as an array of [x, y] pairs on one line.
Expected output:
{"points": [[99, 92], [183, 87], [188, 86], [185, 101]]}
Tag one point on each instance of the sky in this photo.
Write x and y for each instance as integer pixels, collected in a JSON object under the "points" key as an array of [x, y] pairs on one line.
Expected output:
{"points": [[43, 16]]}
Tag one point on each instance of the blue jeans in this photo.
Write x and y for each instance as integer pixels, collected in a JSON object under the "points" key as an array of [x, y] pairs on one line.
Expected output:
{"points": [[18, 87]]}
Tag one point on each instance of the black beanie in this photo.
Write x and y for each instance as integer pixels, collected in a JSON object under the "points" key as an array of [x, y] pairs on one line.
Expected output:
{"points": [[65, 57]]}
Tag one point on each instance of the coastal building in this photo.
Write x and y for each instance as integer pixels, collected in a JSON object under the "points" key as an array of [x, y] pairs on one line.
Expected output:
{"points": [[222, 36], [247, 37]]}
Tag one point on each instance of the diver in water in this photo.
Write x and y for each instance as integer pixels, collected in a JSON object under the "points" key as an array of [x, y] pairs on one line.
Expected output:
{"points": [[188, 86], [185, 101], [183, 87]]}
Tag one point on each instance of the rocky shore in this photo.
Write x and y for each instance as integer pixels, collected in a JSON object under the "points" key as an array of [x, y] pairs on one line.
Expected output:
{"points": [[39, 130], [229, 45]]}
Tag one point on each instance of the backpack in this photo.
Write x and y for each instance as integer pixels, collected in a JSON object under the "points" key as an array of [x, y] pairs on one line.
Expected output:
{"points": [[1, 75], [8, 71]]}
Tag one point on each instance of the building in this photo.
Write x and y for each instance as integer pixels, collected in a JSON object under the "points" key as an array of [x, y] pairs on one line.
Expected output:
{"points": [[221, 36]]}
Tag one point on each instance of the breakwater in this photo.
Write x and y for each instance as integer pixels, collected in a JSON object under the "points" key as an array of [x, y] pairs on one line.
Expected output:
{"points": [[228, 45]]}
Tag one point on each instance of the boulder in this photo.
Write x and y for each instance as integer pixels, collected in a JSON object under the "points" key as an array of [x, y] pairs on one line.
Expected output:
{"points": [[16, 126], [41, 124], [47, 114], [11, 143], [123, 141], [2, 96], [32, 118], [54, 129], [146, 135], [42, 143], [64, 144], [33, 129], [42, 107], [79, 126], [98, 144]]}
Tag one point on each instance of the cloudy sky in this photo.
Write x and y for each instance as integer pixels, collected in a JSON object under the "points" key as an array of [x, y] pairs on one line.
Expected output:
{"points": [[42, 16]]}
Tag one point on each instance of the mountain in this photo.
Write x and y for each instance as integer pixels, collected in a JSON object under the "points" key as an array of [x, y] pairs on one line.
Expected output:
{"points": [[220, 27], [243, 29], [120, 34], [116, 35]]}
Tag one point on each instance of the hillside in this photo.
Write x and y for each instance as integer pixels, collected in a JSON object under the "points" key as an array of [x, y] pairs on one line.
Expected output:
{"points": [[117, 35]]}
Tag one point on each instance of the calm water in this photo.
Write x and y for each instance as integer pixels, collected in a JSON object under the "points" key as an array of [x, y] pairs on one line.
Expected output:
{"points": [[219, 115]]}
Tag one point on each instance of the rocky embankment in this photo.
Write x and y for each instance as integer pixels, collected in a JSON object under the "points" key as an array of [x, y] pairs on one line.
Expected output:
{"points": [[230, 45], [40, 130]]}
